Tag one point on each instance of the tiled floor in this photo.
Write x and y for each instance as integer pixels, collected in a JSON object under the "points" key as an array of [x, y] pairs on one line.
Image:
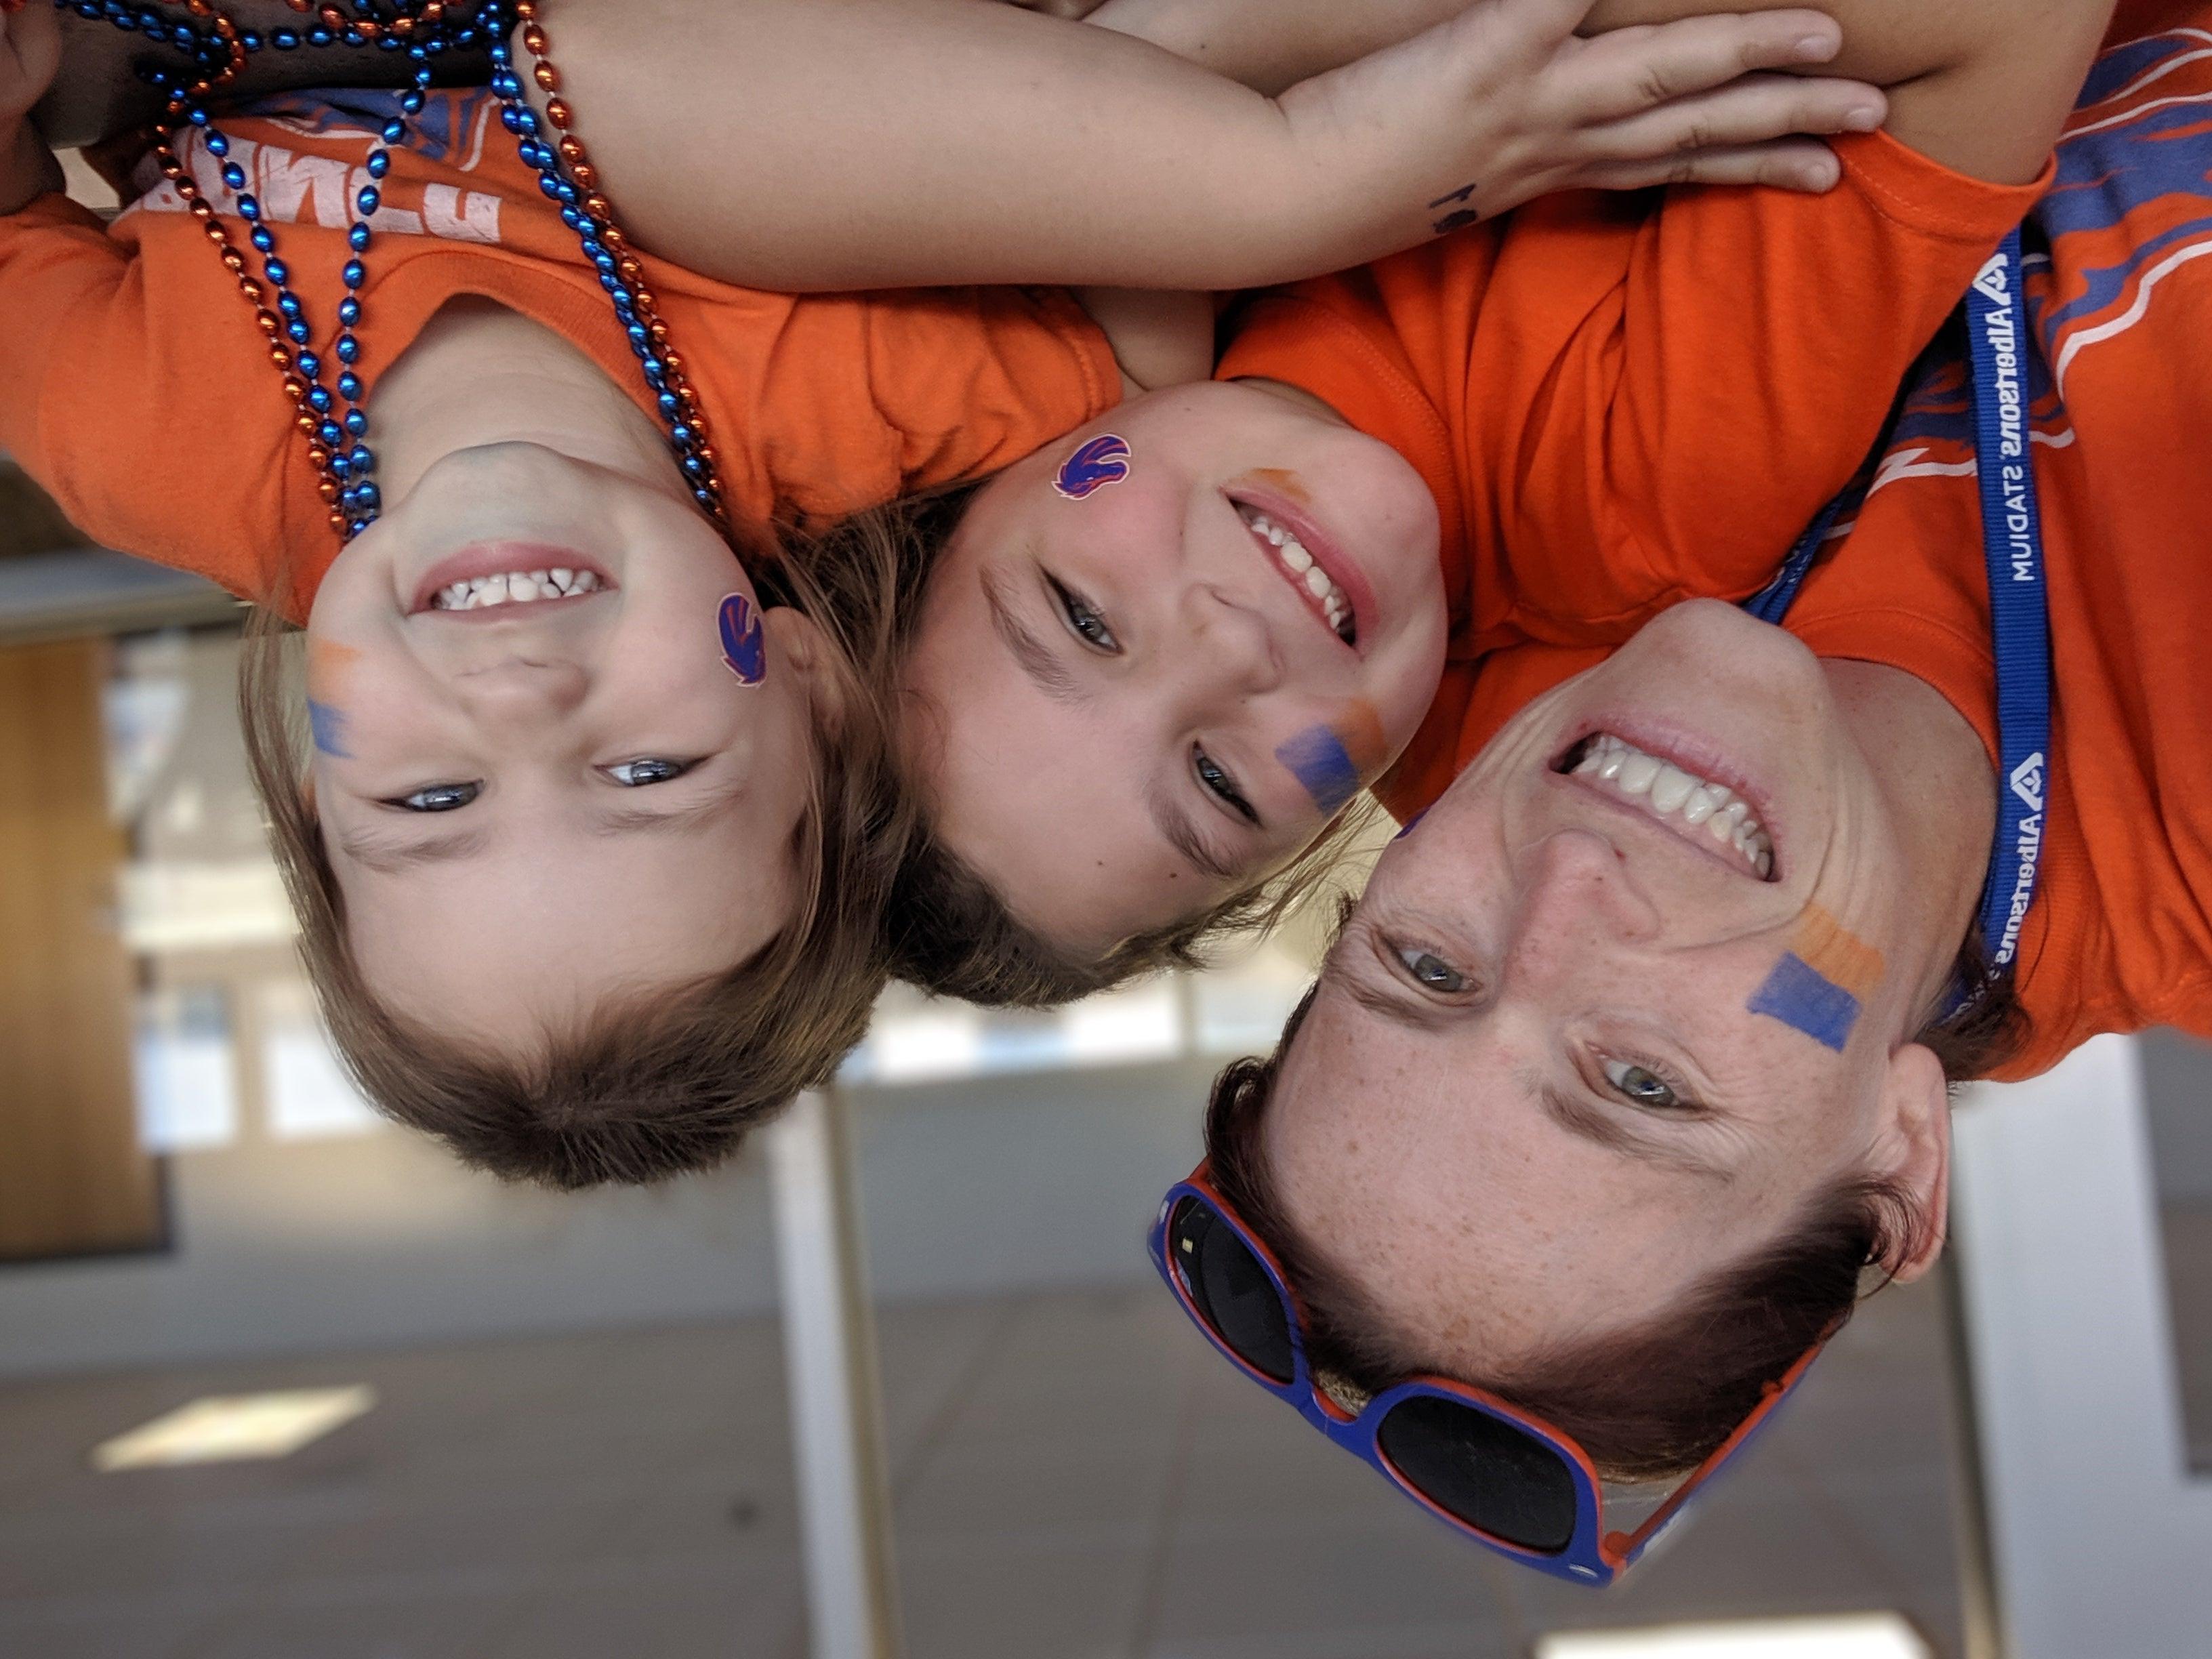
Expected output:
{"points": [[1077, 1477]]}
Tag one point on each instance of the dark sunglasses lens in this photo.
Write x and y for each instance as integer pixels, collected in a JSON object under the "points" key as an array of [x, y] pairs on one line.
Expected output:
{"points": [[1230, 1290], [1491, 1475]]}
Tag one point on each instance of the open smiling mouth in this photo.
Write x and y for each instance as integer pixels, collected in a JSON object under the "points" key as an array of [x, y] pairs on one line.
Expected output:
{"points": [[1322, 596], [1709, 815], [516, 587]]}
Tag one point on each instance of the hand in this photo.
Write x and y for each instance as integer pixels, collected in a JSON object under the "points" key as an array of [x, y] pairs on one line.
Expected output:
{"points": [[30, 56], [1504, 103]]}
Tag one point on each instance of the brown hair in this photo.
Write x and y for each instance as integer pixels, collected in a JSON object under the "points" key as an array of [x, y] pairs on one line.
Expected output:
{"points": [[1656, 1401], [665, 1080]]}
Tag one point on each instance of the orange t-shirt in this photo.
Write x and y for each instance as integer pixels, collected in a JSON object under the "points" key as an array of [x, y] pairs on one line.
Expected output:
{"points": [[136, 386], [2120, 288], [1623, 401]]}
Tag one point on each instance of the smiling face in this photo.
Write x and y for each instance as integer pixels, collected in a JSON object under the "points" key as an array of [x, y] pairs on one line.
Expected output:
{"points": [[531, 805], [1577, 1050], [1153, 691]]}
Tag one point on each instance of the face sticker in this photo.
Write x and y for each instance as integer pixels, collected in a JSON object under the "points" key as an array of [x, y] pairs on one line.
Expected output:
{"points": [[1820, 985], [328, 667], [744, 647], [1103, 461], [1331, 762]]}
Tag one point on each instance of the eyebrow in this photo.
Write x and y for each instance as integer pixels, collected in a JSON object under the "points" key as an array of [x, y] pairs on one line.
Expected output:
{"points": [[391, 858], [1601, 1129], [1036, 659]]}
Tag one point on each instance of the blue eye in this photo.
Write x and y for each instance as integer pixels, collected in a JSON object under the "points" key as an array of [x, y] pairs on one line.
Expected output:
{"points": [[438, 797], [1432, 972], [1640, 1086], [637, 774], [1217, 781], [1083, 620]]}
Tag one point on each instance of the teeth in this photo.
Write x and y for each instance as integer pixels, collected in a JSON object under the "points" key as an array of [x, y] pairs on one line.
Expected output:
{"points": [[1300, 563], [515, 587], [1671, 788], [1667, 791]]}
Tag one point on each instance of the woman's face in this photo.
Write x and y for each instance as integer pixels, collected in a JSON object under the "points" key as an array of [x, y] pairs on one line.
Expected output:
{"points": [[1575, 1052], [1142, 700], [532, 805]]}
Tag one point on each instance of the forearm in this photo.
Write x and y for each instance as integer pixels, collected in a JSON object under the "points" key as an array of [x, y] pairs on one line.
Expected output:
{"points": [[28, 168], [1982, 86], [1271, 47], [983, 142]]}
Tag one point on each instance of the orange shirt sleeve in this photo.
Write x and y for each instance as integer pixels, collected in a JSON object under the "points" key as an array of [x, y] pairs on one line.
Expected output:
{"points": [[825, 405], [127, 406], [1698, 413], [1621, 401]]}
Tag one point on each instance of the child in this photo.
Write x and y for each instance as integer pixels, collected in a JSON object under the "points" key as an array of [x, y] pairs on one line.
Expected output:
{"points": [[592, 848], [1123, 720]]}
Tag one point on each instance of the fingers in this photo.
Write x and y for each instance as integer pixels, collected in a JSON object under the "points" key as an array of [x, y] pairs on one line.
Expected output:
{"points": [[1638, 69], [1753, 110], [1799, 164]]}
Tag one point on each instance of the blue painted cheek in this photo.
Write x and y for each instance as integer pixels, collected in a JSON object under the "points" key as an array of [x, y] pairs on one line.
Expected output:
{"points": [[1802, 998], [1317, 758], [745, 646], [328, 725]]}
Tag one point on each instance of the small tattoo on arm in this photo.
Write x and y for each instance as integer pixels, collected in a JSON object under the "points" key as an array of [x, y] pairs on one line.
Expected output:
{"points": [[1460, 218]]}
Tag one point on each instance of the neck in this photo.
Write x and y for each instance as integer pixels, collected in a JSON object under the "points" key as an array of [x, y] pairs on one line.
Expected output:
{"points": [[479, 374], [1937, 780]]}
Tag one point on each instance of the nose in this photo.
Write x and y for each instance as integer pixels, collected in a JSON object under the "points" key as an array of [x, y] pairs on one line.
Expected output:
{"points": [[1230, 640], [522, 693], [1577, 891]]}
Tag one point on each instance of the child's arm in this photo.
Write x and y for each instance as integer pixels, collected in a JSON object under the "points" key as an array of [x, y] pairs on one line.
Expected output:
{"points": [[1982, 86], [1747, 351], [30, 53], [806, 144]]}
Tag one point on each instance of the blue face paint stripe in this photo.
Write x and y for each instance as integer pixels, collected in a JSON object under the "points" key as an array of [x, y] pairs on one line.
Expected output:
{"points": [[1796, 994], [1412, 824], [1317, 758], [328, 725]]}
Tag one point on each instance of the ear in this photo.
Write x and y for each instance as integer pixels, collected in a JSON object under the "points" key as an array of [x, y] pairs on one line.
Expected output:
{"points": [[1913, 1154], [797, 642]]}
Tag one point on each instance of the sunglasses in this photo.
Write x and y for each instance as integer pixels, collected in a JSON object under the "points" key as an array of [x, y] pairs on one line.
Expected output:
{"points": [[1497, 1474]]}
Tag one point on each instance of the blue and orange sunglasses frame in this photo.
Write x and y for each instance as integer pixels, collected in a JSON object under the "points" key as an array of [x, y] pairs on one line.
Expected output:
{"points": [[1592, 1555]]}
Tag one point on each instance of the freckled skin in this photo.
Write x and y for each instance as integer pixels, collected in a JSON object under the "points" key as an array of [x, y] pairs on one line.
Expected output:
{"points": [[1421, 1159]]}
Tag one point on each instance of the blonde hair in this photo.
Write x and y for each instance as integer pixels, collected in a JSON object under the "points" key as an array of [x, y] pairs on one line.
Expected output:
{"points": [[660, 1081]]}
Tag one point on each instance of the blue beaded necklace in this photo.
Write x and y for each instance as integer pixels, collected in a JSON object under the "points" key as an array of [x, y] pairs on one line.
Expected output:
{"points": [[331, 416]]}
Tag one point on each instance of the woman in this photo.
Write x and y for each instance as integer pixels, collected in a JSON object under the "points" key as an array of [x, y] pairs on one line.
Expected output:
{"points": [[1602, 1107]]}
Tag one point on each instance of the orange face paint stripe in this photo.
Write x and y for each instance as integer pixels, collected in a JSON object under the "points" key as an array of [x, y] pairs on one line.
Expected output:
{"points": [[1837, 955]]}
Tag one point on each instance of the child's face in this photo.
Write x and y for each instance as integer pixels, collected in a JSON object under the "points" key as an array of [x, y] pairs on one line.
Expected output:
{"points": [[1134, 705], [533, 804]]}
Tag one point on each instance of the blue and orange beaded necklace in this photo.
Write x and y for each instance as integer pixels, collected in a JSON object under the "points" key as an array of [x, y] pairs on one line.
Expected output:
{"points": [[330, 417]]}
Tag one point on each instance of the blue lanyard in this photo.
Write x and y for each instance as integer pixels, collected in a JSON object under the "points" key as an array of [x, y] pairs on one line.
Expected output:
{"points": [[1999, 342]]}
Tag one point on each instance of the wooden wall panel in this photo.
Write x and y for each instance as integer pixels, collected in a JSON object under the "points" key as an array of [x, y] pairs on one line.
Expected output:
{"points": [[73, 1177]]}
